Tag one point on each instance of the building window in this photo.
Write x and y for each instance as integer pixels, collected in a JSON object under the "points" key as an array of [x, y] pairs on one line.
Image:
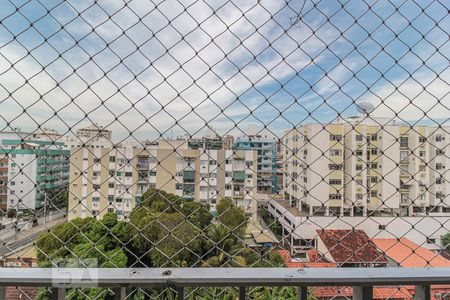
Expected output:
{"points": [[431, 240], [335, 181], [382, 227], [335, 167], [335, 137], [439, 138], [335, 196], [128, 174], [404, 142], [359, 137], [440, 152], [112, 159], [335, 152], [95, 199]]}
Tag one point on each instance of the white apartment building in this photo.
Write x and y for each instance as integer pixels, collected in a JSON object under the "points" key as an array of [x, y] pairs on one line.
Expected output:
{"points": [[113, 179], [355, 168], [94, 131], [32, 169]]}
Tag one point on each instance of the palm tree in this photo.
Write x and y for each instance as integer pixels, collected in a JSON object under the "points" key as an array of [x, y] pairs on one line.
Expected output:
{"points": [[225, 248]]}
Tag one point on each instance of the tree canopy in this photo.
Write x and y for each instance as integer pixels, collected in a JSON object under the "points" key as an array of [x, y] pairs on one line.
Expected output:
{"points": [[163, 231]]}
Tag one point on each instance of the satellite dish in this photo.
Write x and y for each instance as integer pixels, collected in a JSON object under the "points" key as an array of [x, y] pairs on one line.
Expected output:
{"points": [[365, 107]]}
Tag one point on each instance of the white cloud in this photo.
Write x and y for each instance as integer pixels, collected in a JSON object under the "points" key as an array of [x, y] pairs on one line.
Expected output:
{"points": [[205, 67]]}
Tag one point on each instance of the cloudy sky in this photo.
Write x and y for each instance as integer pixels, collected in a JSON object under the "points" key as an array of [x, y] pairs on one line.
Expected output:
{"points": [[157, 68]]}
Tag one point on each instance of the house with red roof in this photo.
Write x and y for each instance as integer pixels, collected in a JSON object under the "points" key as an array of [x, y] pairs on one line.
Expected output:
{"points": [[405, 253], [349, 248], [313, 259]]}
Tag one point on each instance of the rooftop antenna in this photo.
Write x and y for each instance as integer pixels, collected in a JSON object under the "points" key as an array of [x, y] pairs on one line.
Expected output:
{"points": [[365, 107]]}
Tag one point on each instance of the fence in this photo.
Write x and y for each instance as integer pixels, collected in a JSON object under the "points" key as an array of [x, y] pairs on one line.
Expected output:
{"points": [[211, 139]]}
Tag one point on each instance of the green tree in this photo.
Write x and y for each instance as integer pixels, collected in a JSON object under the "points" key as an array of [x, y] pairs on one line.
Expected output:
{"points": [[231, 216], [198, 214], [179, 243], [446, 241], [161, 201], [226, 250]]}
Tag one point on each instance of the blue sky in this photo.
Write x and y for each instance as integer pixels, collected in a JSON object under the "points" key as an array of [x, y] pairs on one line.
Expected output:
{"points": [[170, 67]]}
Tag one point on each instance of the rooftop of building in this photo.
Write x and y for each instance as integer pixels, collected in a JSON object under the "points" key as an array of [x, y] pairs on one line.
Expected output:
{"points": [[329, 292], [95, 127], [293, 210], [313, 260], [408, 254], [350, 246], [256, 235]]}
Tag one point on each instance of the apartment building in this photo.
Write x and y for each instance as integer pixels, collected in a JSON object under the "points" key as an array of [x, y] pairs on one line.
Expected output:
{"points": [[3, 182], [30, 170], [94, 131], [267, 167], [113, 179], [355, 167]]}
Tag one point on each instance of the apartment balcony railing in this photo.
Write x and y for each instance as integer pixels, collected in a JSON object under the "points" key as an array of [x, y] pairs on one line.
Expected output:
{"points": [[362, 280]]}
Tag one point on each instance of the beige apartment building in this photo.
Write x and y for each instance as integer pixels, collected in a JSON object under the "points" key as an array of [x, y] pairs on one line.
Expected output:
{"points": [[113, 179], [356, 167]]}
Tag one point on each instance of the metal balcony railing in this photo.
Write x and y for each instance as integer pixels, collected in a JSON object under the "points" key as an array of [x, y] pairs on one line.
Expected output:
{"points": [[362, 280]]}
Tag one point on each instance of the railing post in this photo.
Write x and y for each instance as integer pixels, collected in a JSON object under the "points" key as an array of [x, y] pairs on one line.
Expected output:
{"points": [[2, 293], [242, 293], [302, 293], [362, 292], [58, 293], [180, 292], [422, 292], [120, 293]]}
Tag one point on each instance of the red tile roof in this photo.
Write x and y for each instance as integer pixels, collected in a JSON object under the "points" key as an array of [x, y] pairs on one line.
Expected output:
{"points": [[314, 260], [408, 254], [328, 292], [437, 292], [350, 246]]}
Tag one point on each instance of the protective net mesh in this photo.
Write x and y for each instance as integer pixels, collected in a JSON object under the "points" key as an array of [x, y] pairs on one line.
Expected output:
{"points": [[182, 133]]}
